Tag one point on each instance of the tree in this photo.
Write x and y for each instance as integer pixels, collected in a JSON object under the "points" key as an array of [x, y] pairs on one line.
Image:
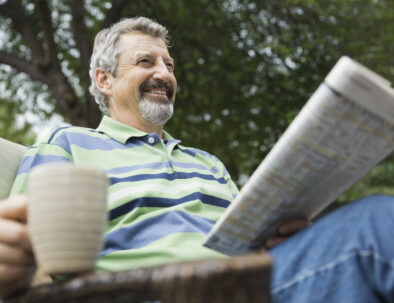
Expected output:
{"points": [[43, 56], [244, 67]]}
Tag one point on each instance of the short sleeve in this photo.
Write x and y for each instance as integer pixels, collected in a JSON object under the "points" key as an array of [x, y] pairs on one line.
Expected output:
{"points": [[37, 154]]}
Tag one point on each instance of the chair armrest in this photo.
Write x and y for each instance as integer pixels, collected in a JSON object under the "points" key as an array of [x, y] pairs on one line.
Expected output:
{"points": [[237, 279]]}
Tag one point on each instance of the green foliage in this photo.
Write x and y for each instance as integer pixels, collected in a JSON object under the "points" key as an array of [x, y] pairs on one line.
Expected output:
{"points": [[244, 68], [10, 130], [378, 181]]}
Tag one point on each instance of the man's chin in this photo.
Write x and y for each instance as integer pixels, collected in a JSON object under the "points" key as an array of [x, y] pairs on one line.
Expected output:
{"points": [[157, 112]]}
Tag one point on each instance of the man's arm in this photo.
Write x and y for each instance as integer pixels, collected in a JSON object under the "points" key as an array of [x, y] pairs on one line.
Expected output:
{"points": [[17, 266]]}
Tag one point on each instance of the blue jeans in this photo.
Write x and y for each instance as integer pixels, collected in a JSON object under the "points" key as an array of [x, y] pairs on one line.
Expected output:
{"points": [[347, 256]]}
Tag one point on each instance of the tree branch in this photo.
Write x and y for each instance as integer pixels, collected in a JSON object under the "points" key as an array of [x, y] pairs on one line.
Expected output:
{"points": [[45, 66], [24, 24], [44, 16], [113, 13], [23, 66], [81, 37], [84, 46]]}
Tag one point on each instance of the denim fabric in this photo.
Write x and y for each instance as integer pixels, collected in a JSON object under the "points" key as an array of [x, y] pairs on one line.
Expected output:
{"points": [[346, 256]]}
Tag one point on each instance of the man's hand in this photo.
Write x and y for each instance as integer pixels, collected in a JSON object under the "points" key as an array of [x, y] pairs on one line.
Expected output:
{"points": [[285, 230], [17, 266]]}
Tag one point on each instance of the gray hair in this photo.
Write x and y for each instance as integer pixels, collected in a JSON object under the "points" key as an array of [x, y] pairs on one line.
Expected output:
{"points": [[106, 50]]}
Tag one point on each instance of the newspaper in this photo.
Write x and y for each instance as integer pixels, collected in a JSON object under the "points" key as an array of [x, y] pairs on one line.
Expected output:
{"points": [[345, 129], [11, 155]]}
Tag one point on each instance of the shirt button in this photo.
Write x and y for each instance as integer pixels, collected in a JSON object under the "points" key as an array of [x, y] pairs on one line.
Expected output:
{"points": [[151, 140]]}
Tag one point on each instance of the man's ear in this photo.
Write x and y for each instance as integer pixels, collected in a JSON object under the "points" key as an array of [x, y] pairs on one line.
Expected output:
{"points": [[104, 81]]}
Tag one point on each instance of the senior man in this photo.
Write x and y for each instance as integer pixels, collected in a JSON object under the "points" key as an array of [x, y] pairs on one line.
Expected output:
{"points": [[164, 197]]}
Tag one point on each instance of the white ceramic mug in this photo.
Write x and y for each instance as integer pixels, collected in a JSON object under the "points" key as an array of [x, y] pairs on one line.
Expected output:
{"points": [[67, 216]]}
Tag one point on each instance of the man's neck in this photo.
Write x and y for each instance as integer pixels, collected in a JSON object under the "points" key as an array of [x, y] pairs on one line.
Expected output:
{"points": [[140, 124]]}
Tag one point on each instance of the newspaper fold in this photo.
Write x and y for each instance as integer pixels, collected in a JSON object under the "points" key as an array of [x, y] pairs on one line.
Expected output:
{"points": [[344, 130]]}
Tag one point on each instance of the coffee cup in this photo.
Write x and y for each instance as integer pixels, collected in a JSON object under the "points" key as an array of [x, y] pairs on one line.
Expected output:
{"points": [[67, 216]]}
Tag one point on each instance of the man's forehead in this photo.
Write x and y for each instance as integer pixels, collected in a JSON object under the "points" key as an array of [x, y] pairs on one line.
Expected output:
{"points": [[140, 42]]}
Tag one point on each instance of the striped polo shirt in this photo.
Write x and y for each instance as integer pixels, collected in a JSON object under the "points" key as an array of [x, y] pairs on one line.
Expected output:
{"points": [[163, 198]]}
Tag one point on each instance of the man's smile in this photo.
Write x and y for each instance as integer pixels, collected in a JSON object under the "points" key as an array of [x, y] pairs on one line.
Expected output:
{"points": [[156, 91]]}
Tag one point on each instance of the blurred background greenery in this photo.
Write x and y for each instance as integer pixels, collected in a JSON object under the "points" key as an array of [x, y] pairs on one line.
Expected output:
{"points": [[244, 68]]}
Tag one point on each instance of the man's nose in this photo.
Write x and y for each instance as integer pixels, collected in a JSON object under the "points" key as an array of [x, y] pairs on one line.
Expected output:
{"points": [[162, 72]]}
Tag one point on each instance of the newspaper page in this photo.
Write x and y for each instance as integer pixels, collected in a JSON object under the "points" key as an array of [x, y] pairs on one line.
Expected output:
{"points": [[11, 155], [345, 129]]}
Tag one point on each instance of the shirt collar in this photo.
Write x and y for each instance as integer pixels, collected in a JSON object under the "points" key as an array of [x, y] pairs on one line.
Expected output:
{"points": [[122, 132]]}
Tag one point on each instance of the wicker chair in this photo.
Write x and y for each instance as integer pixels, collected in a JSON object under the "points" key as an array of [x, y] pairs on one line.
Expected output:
{"points": [[237, 279]]}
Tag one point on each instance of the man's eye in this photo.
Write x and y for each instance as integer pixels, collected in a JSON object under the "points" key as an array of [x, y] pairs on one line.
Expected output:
{"points": [[170, 66], [143, 61]]}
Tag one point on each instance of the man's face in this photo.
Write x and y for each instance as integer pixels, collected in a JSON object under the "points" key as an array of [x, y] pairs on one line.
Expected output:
{"points": [[144, 86]]}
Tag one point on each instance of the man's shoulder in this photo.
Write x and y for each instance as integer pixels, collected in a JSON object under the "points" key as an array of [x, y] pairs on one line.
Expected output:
{"points": [[66, 136], [197, 152], [208, 159], [69, 132], [200, 154]]}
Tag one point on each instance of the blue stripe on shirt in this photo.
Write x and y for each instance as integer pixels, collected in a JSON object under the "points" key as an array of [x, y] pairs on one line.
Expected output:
{"points": [[56, 131], [193, 151], [127, 169], [147, 231], [165, 202], [158, 165], [29, 162], [166, 176], [86, 141]]}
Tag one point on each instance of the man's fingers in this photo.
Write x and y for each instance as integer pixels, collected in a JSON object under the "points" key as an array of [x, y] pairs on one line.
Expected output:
{"points": [[271, 242], [16, 260], [15, 272], [285, 230], [292, 226], [17, 278], [14, 208], [15, 255], [14, 234]]}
